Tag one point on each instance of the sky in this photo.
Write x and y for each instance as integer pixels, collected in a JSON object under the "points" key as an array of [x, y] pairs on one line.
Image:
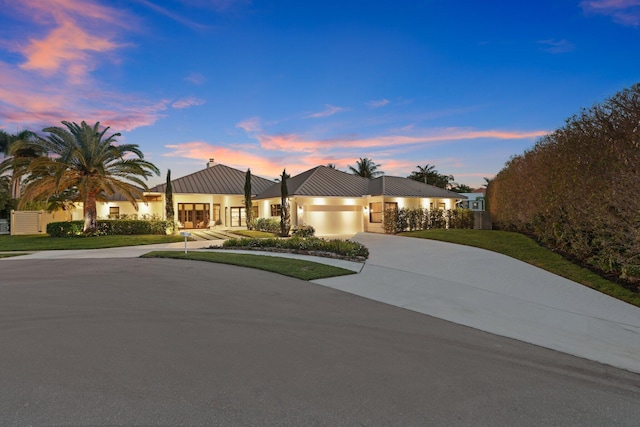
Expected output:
{"points": [[271, 84]]}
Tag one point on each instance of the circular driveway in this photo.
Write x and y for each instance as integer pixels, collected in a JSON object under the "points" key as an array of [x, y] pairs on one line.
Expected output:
{"points": [[157, 341]]}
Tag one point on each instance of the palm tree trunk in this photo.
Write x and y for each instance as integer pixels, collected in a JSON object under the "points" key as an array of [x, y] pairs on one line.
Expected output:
{"points": [[90, 212]]}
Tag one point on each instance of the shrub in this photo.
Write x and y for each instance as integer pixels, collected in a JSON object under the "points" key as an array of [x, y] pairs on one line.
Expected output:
{"points": [[269, 225], [398, 220], [108, 228], [336, 246], [303, 231]]}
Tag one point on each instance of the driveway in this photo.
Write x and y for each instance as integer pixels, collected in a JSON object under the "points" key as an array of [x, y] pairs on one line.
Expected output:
{"points": [[496, 294]]}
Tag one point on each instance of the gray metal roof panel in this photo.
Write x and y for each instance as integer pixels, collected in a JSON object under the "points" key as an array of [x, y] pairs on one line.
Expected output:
{"points": [[405, 187], [217, 179]]}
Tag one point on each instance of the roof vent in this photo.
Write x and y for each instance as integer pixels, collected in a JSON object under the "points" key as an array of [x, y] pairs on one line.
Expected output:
{"points": [[210, 163]]}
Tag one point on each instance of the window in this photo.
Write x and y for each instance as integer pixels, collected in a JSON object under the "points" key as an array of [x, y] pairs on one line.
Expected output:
{"points": [[375, 212], [238, 217], [193, 215], [216, 214], [276, 210], [390, 206], [442, 206], [256, 212], [114, 212]]}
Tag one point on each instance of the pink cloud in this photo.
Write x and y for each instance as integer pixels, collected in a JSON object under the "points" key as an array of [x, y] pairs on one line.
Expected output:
{"points": [[196, 78], [250, 125], [624, 12], [187, 102], [329, 110]]}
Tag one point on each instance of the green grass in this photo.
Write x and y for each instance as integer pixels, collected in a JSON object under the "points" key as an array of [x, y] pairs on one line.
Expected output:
{"points": [[254, 234], [299, 269], [525, 249], [7, 255], [44, 242]]}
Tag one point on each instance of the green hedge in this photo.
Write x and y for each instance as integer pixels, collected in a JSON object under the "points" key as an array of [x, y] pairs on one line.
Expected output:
{"points": [[269, 225], [576, 190], [108, 228], [399, 220], [336, 246]]}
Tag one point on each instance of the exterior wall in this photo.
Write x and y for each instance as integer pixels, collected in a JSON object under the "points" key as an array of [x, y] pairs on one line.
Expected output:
{"points": [[35, 222], [403, 202], [331, 215]]}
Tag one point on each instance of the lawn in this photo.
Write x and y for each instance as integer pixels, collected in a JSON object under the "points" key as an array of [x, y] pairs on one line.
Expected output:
{"points": [[300, 269], [525, 249], [44, 242], [254, 234]]}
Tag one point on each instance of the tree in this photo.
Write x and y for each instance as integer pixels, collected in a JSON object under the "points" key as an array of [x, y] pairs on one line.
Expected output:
{"points": [[248, 206], [366, 168], [168, 197], [19, 149], [429, 175], [82, 160], [331, 165], [285, 215], [461, 188]]}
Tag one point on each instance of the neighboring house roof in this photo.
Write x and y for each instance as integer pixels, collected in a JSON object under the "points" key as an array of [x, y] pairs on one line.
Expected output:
{"points": [[323, 181], [216, 179], [482, 190]]}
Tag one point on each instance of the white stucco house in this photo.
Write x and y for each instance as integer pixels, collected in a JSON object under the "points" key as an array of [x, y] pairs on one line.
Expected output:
{"points": [[332, 201]]}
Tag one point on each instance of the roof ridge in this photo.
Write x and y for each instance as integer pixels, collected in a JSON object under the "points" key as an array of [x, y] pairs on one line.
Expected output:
{"points": [[309, 177]]}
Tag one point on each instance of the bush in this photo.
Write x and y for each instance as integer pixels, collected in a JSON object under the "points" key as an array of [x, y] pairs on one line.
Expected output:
{"points": [[398, 220], [268, 225], [108, 228], [340, 247], [303, 231]]}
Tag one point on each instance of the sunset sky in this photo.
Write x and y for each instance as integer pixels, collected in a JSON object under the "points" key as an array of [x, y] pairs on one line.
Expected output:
{"points": [[462, 85]]}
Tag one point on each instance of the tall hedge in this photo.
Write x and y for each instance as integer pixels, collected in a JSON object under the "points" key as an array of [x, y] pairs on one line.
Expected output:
{"points": [[578, 189]]}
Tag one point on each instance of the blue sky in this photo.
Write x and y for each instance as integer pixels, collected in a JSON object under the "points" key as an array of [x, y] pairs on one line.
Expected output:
{"points": [[462, 85]]}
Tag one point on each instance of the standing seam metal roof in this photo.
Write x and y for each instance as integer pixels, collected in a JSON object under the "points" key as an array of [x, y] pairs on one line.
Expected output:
{"points": [[217, 179]]}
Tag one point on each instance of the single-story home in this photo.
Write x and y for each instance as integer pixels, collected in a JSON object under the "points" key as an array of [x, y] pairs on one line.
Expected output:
{"points": [[332, 201]]}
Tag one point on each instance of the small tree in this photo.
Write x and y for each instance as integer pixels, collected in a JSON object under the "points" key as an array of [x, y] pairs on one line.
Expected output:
{"points": [[168, 209], [248, 206], [285, 215]]}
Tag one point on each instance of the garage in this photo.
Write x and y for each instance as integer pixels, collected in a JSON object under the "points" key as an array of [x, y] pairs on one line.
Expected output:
{"points": [[329, 220]]}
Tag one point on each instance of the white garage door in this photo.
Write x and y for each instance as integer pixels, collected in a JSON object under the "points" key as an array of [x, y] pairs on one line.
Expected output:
{"points": [[333, 219]]}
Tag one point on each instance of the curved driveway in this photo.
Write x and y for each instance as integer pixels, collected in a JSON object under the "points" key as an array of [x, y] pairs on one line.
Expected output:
{"points": [[497, 294]]}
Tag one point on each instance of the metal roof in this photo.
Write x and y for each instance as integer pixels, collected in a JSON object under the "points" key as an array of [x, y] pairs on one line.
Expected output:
{"points": [[405, 187], [216, 179], [323, 181]]}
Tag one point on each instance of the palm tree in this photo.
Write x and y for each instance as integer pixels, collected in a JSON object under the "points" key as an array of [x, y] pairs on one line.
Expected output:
{"points": [[366, 168], [82, 160], [424, 173], [19, 150]]}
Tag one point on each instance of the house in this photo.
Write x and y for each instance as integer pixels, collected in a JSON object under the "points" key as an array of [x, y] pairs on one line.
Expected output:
{"points": [[332, 201], [212, 196], [475, 200], [336, 202]]}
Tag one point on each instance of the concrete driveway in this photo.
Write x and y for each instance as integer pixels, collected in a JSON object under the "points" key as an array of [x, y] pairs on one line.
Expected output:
{"points": [[496, 294]]}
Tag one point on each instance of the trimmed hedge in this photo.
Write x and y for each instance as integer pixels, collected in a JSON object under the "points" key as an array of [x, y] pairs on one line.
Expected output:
{"points": [[399, 220], [577, 191], [345, 248], [268, 225], [108, 228]]}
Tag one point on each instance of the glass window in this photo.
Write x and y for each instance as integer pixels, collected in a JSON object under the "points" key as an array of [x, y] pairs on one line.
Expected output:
{"points": [[276, 210], [114, 212], [375, 212]]}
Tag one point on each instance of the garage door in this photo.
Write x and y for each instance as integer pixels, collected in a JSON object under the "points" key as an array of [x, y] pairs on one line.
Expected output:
{"points": [[333, 219]]}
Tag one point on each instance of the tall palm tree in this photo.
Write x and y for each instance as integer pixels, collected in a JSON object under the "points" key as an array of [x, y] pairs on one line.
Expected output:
{"points": [[19, 150], [82, 159], [366, 168], [424, 173]]}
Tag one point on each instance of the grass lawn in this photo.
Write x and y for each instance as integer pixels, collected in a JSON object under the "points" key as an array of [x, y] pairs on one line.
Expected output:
{"points": [[7, 255], [44, 242], [525, 249], [299, 269], [254, 234]]}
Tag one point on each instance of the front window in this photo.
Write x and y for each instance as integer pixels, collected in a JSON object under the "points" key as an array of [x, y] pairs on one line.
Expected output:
{"points": [[375, 212], [194, 215], [276, 210], [114, 212]]}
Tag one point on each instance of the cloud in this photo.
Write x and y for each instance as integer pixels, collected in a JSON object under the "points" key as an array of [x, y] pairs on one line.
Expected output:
{"points": [[556, 46], [173, 16], [377, 104], [250, 125], [187, 102], [329, 110], [624, 12], [196, 78]]}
